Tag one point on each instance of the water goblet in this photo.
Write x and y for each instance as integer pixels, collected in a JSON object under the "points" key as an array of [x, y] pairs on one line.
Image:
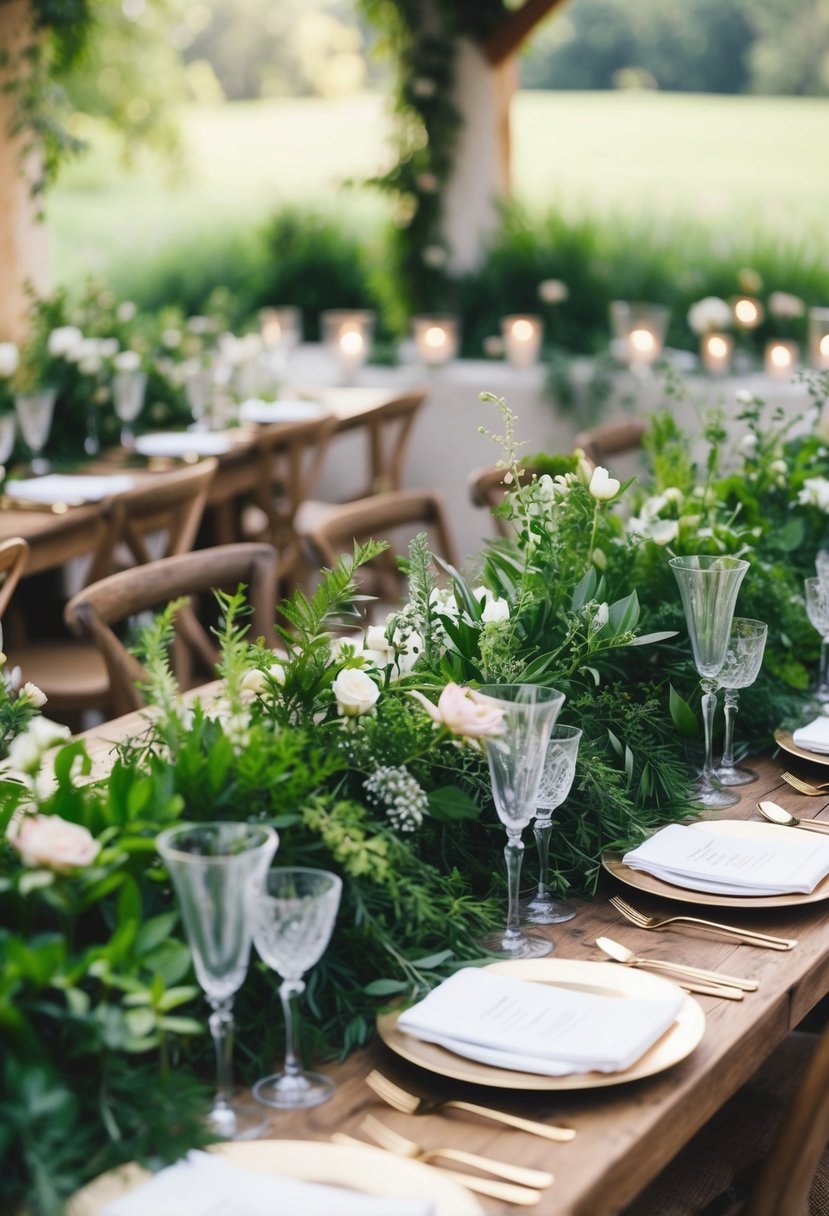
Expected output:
{"points": [[817, 610], [210, 866], [556, 778], [34, 417], [709, 586], [516, 760], [198, 389], [7, 430], [740, 669], [128, 388], [292, 910]]}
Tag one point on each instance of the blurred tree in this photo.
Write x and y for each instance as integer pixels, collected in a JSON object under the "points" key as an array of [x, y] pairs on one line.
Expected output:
{"points": [[790, 53]]}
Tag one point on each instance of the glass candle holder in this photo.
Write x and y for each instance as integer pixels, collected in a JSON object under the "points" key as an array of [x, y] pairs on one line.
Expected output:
{"points": [[780, 359], [522, 337], [348, 336], [715, 352], [638, 331], [435, 339], [819, 338]]}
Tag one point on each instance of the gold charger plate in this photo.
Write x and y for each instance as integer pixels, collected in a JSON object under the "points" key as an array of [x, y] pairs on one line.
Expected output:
{"points": [[785, 740], [369, 1170], [602, 979], [614, 865]]}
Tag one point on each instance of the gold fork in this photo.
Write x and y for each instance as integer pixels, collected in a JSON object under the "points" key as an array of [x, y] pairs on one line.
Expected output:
{"points": [[747, 936], [818, 789], [410, 1104], [510, 1192]]}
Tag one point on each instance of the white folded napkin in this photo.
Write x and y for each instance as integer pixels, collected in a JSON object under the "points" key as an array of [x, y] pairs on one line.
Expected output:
{"points": [[255, 410], [814, 737], [538, 1028], [66, 487], [733, 865], [184, 443], [202, 1185]]}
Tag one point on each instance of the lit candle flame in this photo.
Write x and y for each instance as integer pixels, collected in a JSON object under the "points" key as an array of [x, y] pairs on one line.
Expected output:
{"points": [[717, 346], [781, 356], [642, 341], [435, 337], [746, 312], [351, 342], [523, 330]]}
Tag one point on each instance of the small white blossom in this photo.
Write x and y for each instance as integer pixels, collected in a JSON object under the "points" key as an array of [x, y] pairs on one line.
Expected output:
{"points": [[600, 618], [748, 444], [9, 359], [815, 493], [709, 315], [127, 361], [63, 340], [495, 609], [36, 695], [171, 338], [602, 486], [553, 291], [396, 790], [743, 396]]}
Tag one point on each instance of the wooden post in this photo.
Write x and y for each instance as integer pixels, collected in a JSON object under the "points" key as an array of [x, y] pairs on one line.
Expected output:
{"points": [[24, 252]]}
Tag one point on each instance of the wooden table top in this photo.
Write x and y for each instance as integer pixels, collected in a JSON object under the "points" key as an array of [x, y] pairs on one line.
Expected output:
{"points": [[626, 1133]]}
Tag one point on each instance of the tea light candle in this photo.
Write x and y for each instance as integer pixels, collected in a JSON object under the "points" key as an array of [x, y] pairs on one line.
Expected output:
{"points": [[638, 332], [435, 339], [780, 359], [347, 336], [819, 338], [281, 328], [748, 312], [522, 339], [715, 352]]}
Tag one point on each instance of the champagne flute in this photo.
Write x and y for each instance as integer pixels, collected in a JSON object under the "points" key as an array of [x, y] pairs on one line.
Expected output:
{"points": [[293, 910], [128, 388], [210, 865], [740, 669], [709, 586], [34, 417], [556, 779], [817, 610], [516, 760]]}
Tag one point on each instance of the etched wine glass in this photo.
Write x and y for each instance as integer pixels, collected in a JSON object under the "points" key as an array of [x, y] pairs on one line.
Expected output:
{"points": [[210, 866], [709, 586], [293, 910], [128, 388], [817, 610], [542, 908], [743, 660], [34, 418], [516, 760]]}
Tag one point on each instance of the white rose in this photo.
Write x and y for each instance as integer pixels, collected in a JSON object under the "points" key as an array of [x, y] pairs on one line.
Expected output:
{"points": [[9, 359], [496, 609], [36, 695], [64, 340], [709, 314], [48, 840], [664, 531], [602, 486], [127, 361], [26, 749], [748, 444], [376, 638], [356, 692]]}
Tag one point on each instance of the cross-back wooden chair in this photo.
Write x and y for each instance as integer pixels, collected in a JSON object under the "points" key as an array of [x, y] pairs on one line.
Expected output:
{"points": [[487, 489], [14, 554], [389, 430], [611, 439], [93, 612], [158, 518], [765, 1153], [396, 517]]}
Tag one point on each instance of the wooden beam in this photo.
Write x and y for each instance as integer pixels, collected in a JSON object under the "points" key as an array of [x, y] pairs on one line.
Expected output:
{"points": [[516, 28]]}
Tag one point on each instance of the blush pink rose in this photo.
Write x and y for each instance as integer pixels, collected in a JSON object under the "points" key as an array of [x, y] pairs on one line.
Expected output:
{"points": [[459, 711], [48, 840]]}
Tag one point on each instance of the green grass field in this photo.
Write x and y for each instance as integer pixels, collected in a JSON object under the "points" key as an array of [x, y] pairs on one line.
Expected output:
{"points": [[742, 165]]}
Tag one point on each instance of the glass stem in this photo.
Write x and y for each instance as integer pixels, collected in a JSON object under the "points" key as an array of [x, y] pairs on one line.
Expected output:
{"points": [[221, 1028], [287, 990], [709, 705], [731, 699], [542, 830], [823, 678], [513, 855]]}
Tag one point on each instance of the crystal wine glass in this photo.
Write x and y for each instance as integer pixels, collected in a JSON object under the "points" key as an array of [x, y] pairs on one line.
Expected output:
{"points": [[7, 430], [516, 760], [34, 417], [211, 865], [198, 389], [709, 586], [281, 330], [740, 669], [556, 778], [817, 610], [293, 909], [128, 390]]}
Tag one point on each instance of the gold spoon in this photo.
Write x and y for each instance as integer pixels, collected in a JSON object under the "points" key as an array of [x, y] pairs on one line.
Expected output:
{"points": [[712, 982], [777, 814]]}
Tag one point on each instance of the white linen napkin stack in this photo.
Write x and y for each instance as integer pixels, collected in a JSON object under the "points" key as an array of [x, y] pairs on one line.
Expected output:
{"points": [[814, 736], [733, 864], [538, 1027], [70, 488]]}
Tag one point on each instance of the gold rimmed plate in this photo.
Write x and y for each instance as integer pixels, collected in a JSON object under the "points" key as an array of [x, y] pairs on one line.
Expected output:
{"points": [[785, 741], [614, 865], [601, 979], [368, 1170]]}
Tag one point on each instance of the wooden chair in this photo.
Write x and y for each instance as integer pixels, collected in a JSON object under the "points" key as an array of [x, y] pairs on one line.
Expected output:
{"points": [[92, 612], [388, 430], [765, 1153], [396, 517], [159, 518], [13, 556], [612, 439], [487, 489]]}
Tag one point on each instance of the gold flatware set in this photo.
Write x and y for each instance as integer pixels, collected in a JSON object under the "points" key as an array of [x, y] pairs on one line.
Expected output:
{"points": [[747, 937], [814, 789]]}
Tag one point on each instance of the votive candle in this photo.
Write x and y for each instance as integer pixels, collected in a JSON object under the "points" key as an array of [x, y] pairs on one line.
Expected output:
{"points": [[715, 352], [780, 359], [522, 337], [435, 339]]}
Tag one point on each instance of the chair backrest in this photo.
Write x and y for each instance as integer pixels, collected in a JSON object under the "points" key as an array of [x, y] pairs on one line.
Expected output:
{"points": [[611, 439], [396, 517], [170, 505], [14, 554], [389, 431], [92, 612], [487, 489]]}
